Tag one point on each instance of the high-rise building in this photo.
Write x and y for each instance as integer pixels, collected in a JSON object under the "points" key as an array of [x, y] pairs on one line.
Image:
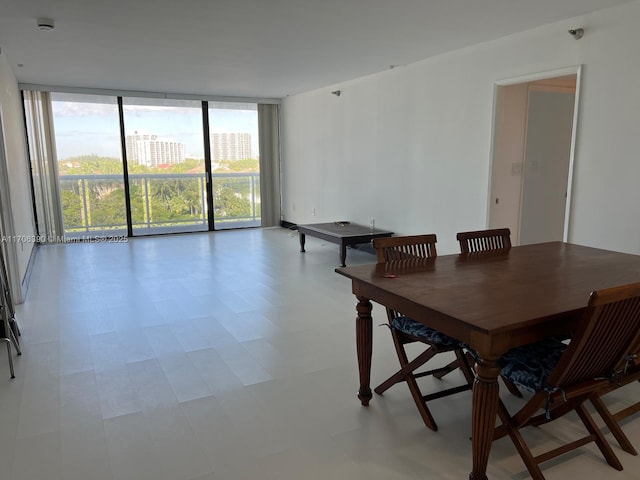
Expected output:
{"points": [[147, 149], [230, 146]]}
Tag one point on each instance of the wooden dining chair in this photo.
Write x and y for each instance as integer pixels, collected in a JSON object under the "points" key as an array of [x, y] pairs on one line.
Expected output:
{"points": [[628, 372], [495, 240], [498, 239], [563, 377], [404, 330]]}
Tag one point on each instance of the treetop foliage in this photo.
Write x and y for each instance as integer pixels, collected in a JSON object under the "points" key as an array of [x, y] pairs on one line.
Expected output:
{"points": [[97, 165]]}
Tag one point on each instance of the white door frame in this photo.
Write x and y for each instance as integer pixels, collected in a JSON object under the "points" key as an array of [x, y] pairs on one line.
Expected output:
{"points": [[572, 70]]}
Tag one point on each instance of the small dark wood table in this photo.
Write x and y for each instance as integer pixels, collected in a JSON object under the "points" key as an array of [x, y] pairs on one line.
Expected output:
{"points": [[342, 233], [491, 301]]}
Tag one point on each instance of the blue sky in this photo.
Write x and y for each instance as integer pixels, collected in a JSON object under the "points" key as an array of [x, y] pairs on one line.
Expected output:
{"points": [[83, 128]]}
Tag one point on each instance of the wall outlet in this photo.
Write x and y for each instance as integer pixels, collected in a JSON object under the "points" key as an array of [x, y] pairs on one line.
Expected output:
{"points": [[372, 222], [313, 212]]}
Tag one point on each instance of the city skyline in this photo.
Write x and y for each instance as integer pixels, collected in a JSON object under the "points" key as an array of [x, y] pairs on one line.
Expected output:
{"points": [[147, 148], [92, 128]]}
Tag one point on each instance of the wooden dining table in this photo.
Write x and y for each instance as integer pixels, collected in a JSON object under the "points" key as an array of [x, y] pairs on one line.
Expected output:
{"points": [[491, 301]]}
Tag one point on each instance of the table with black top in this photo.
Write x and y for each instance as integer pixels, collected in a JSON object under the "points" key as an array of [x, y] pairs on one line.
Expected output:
{"points": [[342, 233]]}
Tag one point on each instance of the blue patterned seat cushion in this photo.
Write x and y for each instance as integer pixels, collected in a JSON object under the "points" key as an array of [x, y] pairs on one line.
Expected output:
{"points": [[530, 365], [417, 329]]}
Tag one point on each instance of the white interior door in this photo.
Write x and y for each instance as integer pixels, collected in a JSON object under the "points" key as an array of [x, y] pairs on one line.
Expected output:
{"points": [[546, 165], [532, 155]]}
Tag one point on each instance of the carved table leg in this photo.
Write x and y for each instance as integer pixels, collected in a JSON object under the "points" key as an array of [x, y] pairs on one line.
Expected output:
{"points": [[364, 340], [343, 254], [483, 417], [302, 239]]}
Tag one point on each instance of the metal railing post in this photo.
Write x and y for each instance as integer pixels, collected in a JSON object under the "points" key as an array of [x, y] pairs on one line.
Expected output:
{"points": [[146, 202], [85, 216], [253, 197]]}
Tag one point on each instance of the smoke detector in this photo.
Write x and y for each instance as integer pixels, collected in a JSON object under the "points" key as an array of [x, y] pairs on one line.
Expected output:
{"points": [[46, 24]]}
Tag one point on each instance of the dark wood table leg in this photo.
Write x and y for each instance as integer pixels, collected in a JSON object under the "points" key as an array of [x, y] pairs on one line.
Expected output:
{"points": [[343, 254], [302, 239], [483, 416], [364, 341]]}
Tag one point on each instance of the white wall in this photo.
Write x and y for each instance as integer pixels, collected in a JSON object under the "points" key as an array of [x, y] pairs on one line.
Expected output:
{"points": [[410, 146], [19, 213]]}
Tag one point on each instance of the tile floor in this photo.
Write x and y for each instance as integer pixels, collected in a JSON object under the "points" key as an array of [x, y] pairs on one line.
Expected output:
{"points": [[226, 356]]}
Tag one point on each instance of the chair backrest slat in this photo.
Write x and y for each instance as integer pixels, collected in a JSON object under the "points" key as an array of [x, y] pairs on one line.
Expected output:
{"points": [[412, 247], [402, 248], [485, 240], [609, 331]]}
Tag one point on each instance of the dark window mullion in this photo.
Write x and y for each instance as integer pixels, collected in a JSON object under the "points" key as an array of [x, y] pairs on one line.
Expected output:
{"points": [[207, 164], [125, 169]]}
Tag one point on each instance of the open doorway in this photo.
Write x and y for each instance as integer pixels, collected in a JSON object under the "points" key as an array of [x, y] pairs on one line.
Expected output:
{"points": [[532, 156]]}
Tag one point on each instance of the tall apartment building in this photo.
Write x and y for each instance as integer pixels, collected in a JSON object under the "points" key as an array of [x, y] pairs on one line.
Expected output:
{"points": [[147, 149], [230, 146]]}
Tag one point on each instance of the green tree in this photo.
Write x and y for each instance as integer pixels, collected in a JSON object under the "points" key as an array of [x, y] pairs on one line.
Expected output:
{"points": [[71, 208], [110, 210], [229, 204], [189, 165], [245, 165], [89, 165]]}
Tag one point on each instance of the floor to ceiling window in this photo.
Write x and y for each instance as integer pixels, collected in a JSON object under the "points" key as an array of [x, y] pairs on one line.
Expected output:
{"points": [[90, 172], [166, 164], [139, 165]]}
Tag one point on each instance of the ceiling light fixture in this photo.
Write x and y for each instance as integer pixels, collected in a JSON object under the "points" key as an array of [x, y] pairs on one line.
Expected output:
{"points": [[46, 24]]}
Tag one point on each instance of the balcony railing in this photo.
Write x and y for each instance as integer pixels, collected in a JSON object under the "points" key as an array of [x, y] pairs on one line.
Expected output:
{"points": [[160, 202]]}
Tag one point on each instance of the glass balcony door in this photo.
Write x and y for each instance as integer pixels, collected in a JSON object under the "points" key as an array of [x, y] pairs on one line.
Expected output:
{"points": [[235, 164], [167, 178]]}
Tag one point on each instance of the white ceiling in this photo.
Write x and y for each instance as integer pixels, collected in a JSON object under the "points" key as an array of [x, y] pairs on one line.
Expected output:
{"points": [[254, 48]]}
